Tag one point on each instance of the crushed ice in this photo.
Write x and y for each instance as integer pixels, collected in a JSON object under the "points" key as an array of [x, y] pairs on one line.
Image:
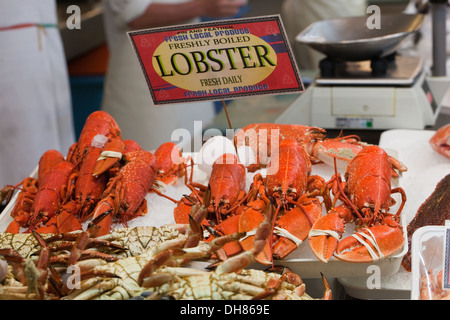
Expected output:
{"points": [[99, 141]]}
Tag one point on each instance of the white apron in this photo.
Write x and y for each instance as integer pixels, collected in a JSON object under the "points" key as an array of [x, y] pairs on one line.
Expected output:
{"points": [[126, 95], [35, 105]]}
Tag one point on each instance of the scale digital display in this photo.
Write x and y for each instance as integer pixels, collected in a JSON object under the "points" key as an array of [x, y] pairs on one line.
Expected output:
{"points": [[429, 96], [355, 123]]}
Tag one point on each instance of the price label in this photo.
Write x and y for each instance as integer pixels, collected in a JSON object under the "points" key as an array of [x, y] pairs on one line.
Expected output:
{"points": [[217, 60]]}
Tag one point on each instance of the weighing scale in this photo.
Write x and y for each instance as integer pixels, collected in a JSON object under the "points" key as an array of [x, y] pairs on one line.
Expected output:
{"points": [[363, 83]]}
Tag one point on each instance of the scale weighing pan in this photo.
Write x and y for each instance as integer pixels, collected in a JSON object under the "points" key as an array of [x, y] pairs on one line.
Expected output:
{"points": [[349, 39]]}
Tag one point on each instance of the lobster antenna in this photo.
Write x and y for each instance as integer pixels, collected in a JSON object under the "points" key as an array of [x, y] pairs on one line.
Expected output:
{"points": [[343, 195], [229, 125], [274, 217], [226, 113]]}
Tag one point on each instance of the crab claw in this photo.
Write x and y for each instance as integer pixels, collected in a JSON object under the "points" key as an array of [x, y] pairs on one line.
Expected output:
{"points": [[259, 250], [343, 149], [327, 231], [183, 209], [249, 221], [370, 244], [229, 226]]}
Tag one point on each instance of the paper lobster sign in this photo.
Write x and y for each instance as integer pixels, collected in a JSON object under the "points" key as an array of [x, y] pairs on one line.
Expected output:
{"points": [[217, 60]]}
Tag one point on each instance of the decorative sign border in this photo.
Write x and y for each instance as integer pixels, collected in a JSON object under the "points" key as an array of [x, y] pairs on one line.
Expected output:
{"points": [[222, 59]]}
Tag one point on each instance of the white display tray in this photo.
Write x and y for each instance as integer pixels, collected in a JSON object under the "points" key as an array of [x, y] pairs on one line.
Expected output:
{"points": [[301, 261], [427, 253], [425, 169]]}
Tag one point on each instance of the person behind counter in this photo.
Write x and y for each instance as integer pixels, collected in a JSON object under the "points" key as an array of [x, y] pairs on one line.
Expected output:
{"points": [[35, 104], [126, 94]]}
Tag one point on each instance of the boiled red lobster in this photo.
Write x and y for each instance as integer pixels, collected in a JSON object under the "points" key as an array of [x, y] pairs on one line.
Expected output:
{"points": [[227, 198], [98, 123], [70, 190], [22, 210], [98, 149], [294, 190], [38, 190], [51, 195], [366, 197], [125, 194], [172, 165]]}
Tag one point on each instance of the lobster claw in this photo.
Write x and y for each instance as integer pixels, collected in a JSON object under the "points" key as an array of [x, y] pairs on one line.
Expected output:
{"points": [[293, 227], [111, 154], [104, 209], [440, 141], [327, 231], [343, 149], [325, 235], [370, 244]]}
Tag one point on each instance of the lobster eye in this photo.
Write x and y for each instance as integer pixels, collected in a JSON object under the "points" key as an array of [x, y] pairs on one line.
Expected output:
{"points": [[223, 202], [277, 189]]}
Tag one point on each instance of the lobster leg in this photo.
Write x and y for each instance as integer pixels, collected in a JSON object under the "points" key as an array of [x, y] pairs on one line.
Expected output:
{"points": [[259, 249], [229, 226], [249, 222], [167, 257], [22, 210], [184, 206], [403, 195]]}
